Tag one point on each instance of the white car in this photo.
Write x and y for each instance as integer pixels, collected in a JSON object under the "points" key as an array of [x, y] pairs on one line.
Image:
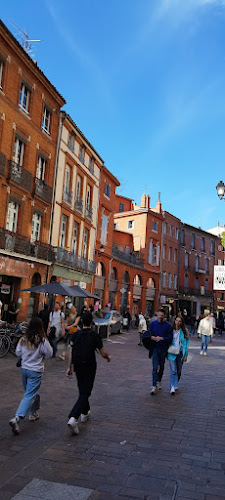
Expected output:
{"points": [[110, 323]]}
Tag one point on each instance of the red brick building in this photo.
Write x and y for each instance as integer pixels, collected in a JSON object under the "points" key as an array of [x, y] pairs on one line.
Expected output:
{"points": [[168, 284], [29, 117], [196, 263], [219, 296]]}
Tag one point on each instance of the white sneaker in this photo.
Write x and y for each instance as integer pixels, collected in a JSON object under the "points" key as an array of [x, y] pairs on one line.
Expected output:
{"points": [[172, 391], [153, 390], [201, 353], [205, 354], [34, 417], [176, 388], [159, 385], [73, 425], [84, 418], [14, 425]]}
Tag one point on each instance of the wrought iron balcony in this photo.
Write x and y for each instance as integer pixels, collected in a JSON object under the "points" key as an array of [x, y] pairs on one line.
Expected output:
{"points": [[20, 175], [132, 258], [81, 157], [42, 190], [68, 196], [2, 163], [89, 212], [79, 204], [70, 259], [17, 243], [195, 291], [150, 293], [113, 285]]}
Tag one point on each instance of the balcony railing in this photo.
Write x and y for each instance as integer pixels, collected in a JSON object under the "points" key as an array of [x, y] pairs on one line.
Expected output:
{"points": [[79, 204], [89, 212], [72, 260], [112, 285], [68, 196], [195, 291], [42, 190], [150, 293], [132, 258], [20, 175], [137, 290], [81, 157], [17, 243], [2, 163]]}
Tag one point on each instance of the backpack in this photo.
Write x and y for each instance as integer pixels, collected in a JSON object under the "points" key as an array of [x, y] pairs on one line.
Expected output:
{"points": [[83, 349]]}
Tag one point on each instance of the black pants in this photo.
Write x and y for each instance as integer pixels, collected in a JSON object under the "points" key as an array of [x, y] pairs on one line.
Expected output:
{"points": [[85, 381]]}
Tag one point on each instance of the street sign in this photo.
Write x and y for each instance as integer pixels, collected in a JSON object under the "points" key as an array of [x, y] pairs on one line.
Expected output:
{"points": [[122, 290], [219, 278]]}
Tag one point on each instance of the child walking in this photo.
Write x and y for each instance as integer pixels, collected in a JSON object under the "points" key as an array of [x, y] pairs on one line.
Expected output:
{"points": [[32, 348], [82, 356], [181, 342]]}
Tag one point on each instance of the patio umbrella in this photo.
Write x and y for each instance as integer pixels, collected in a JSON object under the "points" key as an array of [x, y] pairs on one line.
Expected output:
{"points": [[86, 294], [57, 288]]}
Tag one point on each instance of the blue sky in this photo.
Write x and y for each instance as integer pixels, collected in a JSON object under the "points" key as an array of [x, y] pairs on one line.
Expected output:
{"points": [[145, 82]]}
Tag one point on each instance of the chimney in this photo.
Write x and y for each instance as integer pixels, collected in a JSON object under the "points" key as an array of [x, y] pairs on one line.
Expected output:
{"points": [[147, 201], [158, 205], [143, 201]]}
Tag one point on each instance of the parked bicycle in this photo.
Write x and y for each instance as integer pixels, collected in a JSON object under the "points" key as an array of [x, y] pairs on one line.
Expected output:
{"points": [[9, 337]]}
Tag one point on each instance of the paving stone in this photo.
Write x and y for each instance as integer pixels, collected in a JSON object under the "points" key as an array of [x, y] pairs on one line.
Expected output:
{"points": [[47, 490]]}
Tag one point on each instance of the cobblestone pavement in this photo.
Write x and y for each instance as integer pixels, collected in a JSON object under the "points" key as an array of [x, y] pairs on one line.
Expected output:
{"points": [[135, 446]]}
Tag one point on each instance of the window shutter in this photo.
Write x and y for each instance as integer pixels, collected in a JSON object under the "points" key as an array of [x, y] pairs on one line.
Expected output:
{"points": [[150, 255], [157, 255]]}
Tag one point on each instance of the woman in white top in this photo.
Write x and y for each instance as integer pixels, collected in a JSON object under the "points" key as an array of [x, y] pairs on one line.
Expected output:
{"points": [[142, 327], [32, 348], [205, 329]]}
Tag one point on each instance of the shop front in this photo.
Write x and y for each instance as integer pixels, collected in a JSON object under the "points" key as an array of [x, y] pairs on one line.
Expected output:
{"points": [[12, 272], [72, 277]]}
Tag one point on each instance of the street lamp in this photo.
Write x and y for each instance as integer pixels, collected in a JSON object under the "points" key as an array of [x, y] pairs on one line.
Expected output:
{"points": [[220, 189]]}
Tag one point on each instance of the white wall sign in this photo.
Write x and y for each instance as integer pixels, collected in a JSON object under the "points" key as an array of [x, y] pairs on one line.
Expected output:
{"points": [[219, 278]]}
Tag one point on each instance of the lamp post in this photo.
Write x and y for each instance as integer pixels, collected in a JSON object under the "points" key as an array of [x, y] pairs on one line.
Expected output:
{"points": [[221, 190]]}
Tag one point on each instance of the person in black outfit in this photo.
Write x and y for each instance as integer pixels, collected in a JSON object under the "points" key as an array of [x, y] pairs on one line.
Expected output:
{"points": [[44, 315], [12, 312], [82, 356]]}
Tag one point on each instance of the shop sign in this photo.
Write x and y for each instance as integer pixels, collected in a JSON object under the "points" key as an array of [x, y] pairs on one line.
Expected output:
{"points": [[82, 284], [219, 278], [15, 268], [5, 289]]}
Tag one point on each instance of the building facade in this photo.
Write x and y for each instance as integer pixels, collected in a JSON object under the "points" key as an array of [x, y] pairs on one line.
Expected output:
{"points": [[168, 283], [219, 296], [196, 263], [29, 118]]}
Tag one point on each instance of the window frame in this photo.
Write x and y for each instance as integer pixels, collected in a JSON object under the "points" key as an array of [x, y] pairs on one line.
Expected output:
{"points": [[38, 224], [74, 247], [44, 117], [1, 73], [155, 226], [64, 220], [107, 190], [130, 226], [104, 229], [84, 254], [44, 160], [16, 151], [24, 86], [14, 211], [121, 205]]}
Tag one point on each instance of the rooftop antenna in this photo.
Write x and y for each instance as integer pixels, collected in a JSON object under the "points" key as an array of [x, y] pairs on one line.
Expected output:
{"points": [[23, 38]]}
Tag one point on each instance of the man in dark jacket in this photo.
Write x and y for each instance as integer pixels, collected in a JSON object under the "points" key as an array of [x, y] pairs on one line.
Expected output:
{"points": [[162, 334]]}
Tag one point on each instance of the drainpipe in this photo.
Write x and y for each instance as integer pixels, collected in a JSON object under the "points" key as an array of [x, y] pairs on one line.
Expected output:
{"points": [[96, 225]]}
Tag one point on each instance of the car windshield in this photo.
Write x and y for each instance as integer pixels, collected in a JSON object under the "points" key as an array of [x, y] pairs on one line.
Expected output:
{"points": [[107, 315]]}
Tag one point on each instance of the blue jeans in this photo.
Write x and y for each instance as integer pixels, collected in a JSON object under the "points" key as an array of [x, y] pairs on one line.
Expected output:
{"points": [[205, 340], [175, 369], [158, 361], [31, 400], [54, 347]]}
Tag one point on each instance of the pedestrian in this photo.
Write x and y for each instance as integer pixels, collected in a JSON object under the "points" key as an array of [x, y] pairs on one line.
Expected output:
{"points": [[44, 315], [70, 327], [142, 327], [200, 317], [32, 348], [192, 324], [82, 356], [12, 313], [177, 352], [220, 324], [127, 318], [205, 329], [162, 334], [56, 327], [213, 323]]}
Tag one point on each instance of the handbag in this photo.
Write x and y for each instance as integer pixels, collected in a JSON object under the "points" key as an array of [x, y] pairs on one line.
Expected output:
{"points": [[174, 350]]}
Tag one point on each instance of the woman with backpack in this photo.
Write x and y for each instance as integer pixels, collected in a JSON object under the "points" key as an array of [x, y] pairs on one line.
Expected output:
{"points": [[177, 352], [33, 348]]}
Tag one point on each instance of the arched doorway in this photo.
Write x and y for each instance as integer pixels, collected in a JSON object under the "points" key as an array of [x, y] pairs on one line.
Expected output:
{"points": [[137, 292], [34, 297], [150, 297], [100, 280]]}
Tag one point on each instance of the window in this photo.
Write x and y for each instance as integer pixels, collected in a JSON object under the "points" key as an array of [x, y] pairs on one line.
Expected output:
{"points": [[206, 285], [164, 280], [212, 247], [36, 227], [131, 224], [18, 152], [186, 281], [220, 262], [115, 225], [41, 165], [164, 227], [85, 243], [67, 179], [107, 190], [192, 240], [202, 244], [196, 284], [196, 263], [164, 252], [169, 254], [24, 97], [182, 237], [71, 141], [153, 257], [175, 256], [175, 282], [154, 226], [206, 265], [176, 233], [62, 240], [75, 237], [1, 73], [78, 189], [186, 261], [81, 154], [88, 196], [169, 280], [91, 165], [171, 231], [104, 229], [121, 207], [12, 216], [46, 120]]}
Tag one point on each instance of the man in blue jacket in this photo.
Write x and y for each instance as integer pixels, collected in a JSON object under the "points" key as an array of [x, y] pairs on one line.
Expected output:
{"points": [[162, 334]]}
